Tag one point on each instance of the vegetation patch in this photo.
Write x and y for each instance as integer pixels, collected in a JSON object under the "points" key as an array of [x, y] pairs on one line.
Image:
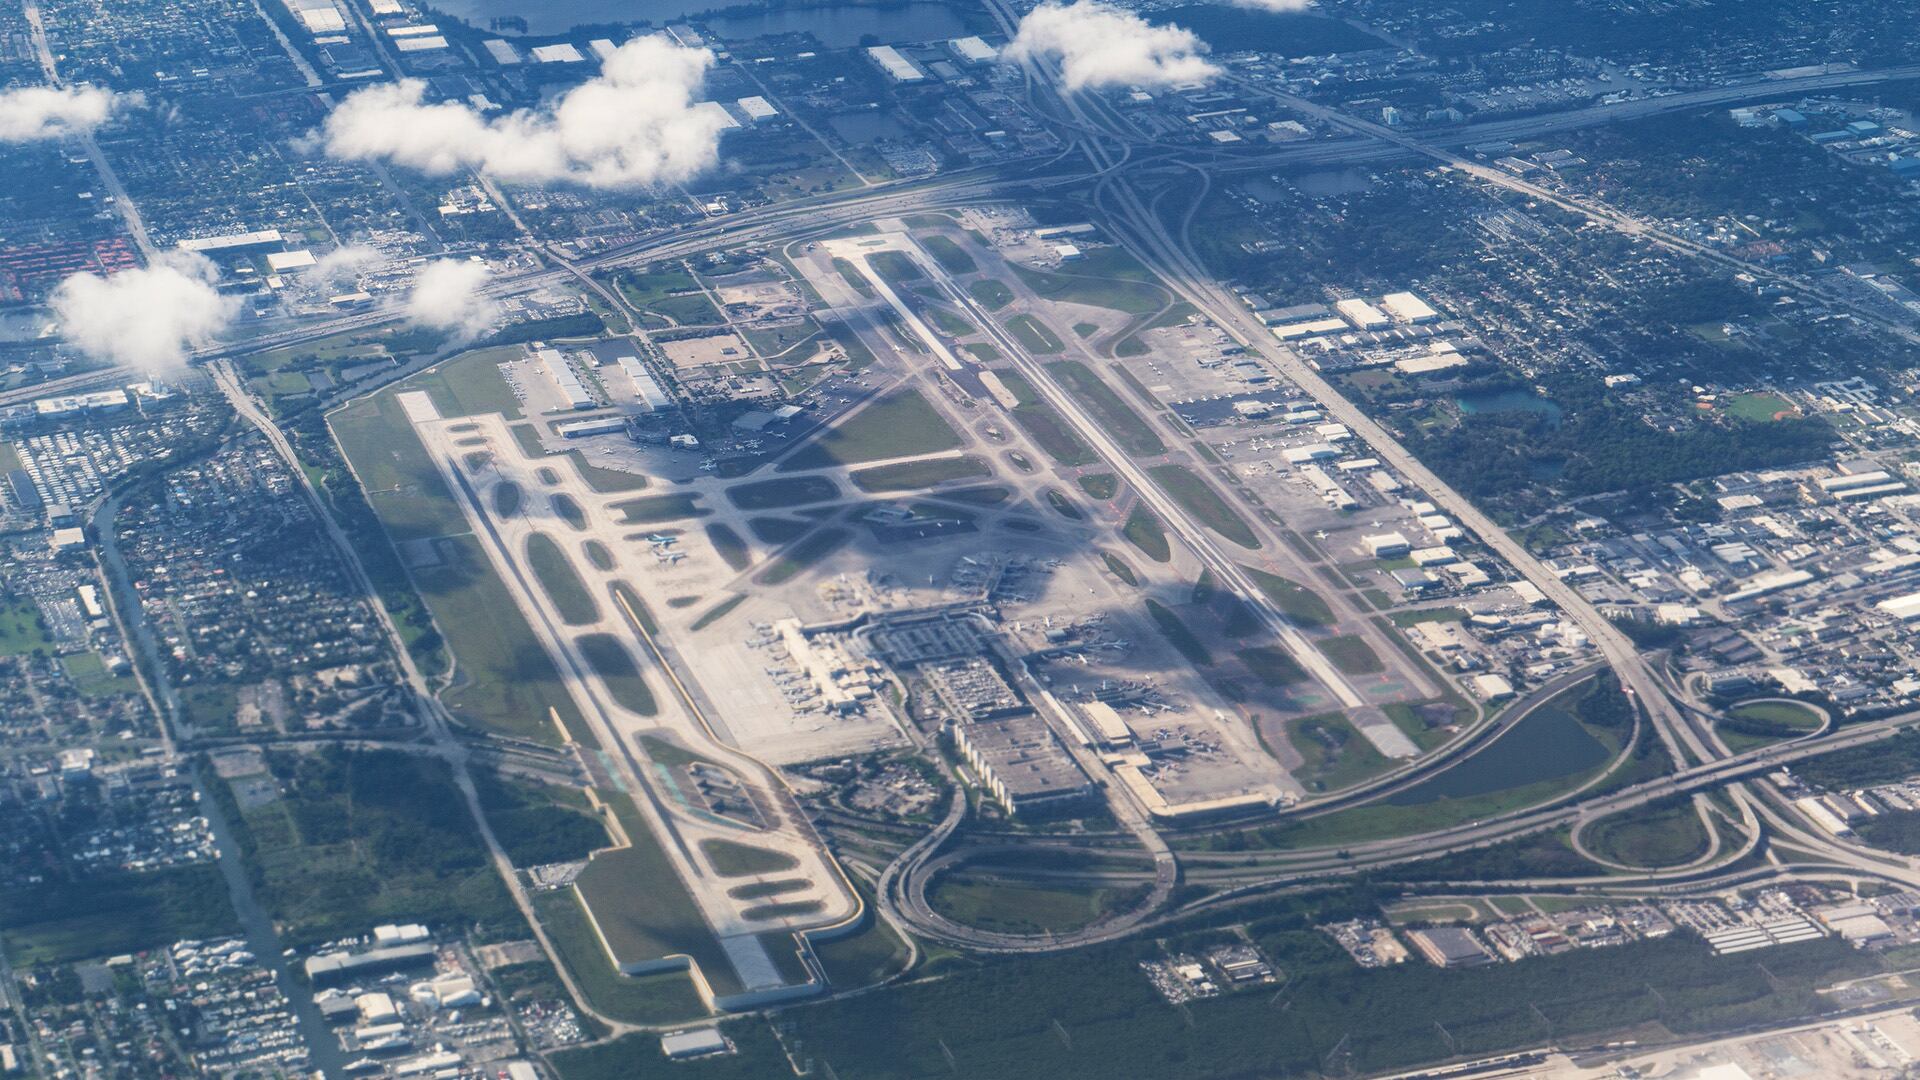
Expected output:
{"points": [[908, 475], [1333, 753], [731, 548], [991, 293], [561, 584], [802, 554], [1660, 834], [901, 424], [1114, 416], [1198, 498], [1035, 336], [655, 509], [1100, 486], [731, 859], [1351, 654], [615, 665], [1146, 533], [778, 494], [1043, 425], [1301, 605]]}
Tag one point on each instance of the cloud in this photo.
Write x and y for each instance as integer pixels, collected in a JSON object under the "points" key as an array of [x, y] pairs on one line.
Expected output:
{"points": [[633, 125], [36, 113], [145, 318], [446, 296], [1098, 45], [340, 267]]}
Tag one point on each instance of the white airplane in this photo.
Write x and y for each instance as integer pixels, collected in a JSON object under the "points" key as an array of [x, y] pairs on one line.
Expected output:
{"points": [[662, 539]]}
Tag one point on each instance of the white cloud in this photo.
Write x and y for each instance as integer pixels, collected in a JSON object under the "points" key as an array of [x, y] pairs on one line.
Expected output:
{"points": [[446, 296], [632, 125], [340, 267], [1100, 45], [35, 113], [144, 318]]}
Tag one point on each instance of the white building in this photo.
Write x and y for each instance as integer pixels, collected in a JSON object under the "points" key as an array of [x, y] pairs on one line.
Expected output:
{"points": [[898, 68]]}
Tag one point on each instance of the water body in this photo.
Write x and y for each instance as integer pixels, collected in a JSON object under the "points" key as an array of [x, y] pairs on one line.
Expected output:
{"points": [[1509, 401], [842, 26], [1327, 183], [837, 26], [1547, 745], [264, 941]]}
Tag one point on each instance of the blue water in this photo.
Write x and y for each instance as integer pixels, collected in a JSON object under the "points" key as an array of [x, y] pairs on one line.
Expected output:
{"points": [[1547, 745], [837, 26], [1508, 401]]}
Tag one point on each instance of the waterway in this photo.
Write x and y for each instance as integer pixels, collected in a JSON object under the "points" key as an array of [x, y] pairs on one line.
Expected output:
{"points": [[836, 26], [1547, 744], [264, 941]]}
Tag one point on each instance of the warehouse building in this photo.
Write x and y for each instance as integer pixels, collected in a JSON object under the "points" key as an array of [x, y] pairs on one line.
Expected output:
{"points": [[1408, 308], [1362, 315], [898, 68]]}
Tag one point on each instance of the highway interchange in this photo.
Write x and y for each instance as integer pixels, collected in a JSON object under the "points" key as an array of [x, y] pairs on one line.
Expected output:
{"points": [[1111, 167]]}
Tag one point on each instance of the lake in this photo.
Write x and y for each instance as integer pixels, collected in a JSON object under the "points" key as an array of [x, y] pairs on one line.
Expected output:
{"points": [[836, 26], [1508, 401], [1547, 745]]}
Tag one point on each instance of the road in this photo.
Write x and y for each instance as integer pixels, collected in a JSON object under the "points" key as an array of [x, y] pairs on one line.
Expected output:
{"points": [[433, 714]]}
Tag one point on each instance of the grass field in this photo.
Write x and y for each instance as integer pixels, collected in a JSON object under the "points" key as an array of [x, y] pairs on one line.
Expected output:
{"points": [[951, 256], [402, 483], [1351, 654], [1107, 278], [1759, 408], [1272, 665], [1043, 425], [1758, 723], [782, 493], [1198, 498], [855, 280], [902, 424], [1127, 427], [1665, 833], [1016, 907], [1035, 336], [663, 998], [896, 268], [636, 896], [21, 628], [615, 666], [810, 549], [1178, 634], [729, 545], [656, 509], [908, 475], [949, 322], [506, 682], [1296, 601], [1100, 486], [1334, 753], [1147, 534], [744, 860], [991, 293], [561, 584]]}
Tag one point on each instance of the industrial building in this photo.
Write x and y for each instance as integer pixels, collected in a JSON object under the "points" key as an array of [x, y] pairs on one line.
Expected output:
{"points": [[757, 109], [572, 390], [345, 966], [1362, 315], [973, 50], [1022, 764], [1450, 946], [1408, 308], [898, 68], [99, 401]]}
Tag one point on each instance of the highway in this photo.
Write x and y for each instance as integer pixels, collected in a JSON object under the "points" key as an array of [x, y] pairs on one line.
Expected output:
{"points": [[1115, 152]]}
